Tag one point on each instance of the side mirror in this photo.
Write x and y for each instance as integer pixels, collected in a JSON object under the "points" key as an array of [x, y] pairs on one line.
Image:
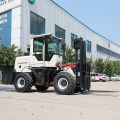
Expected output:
{"points": [[28, 48]]}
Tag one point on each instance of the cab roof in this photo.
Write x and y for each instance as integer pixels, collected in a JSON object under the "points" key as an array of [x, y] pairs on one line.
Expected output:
{"points": [[44, 35]]}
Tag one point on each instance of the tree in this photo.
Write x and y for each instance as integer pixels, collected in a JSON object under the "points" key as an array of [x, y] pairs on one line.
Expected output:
{"points": [[118, 68], [90, 62], [8, 56], [116, 65], [109, 67], [99, 65], [68, 54]]}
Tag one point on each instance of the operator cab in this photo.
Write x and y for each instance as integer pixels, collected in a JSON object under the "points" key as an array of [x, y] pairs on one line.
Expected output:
{"points": [[45, 47]]}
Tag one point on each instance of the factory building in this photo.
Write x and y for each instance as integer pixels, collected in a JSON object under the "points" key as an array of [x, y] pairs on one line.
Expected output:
{"points": [[19, 19]]}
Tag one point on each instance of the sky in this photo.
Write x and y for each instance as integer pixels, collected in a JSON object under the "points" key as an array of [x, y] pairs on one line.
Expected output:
{"points": [[102, 16]]}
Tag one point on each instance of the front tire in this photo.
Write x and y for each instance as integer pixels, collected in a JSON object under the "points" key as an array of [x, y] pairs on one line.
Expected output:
{"points": [[64, 83], [23, 82]]}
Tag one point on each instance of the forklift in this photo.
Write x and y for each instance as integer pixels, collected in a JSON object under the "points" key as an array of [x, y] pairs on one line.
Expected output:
{"points": [[42, 67]]}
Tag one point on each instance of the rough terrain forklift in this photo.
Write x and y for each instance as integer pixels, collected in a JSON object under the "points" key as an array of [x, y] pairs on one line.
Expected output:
{"points": [[42, 67]]}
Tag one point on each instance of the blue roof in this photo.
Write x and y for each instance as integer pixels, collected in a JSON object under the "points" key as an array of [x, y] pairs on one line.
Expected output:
{"points": [[83, 23]]}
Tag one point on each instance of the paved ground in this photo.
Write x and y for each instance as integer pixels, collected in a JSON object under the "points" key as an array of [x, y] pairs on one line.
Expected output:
{"points": [[101, 103]]}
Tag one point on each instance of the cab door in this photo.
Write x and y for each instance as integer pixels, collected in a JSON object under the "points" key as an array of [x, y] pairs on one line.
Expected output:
{"points": [[38, 52]]}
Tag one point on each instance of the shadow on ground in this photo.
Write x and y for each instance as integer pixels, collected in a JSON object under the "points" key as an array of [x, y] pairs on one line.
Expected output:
{"points": [[91, 92], [101, 93]]}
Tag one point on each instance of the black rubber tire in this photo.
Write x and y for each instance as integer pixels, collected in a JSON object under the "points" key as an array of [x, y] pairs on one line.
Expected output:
{"points": [[28, 82], [41, 88], [101, 80], [71, 83]]}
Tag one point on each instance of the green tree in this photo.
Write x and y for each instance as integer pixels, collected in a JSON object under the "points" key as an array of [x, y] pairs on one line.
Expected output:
{"points": [[68, 54], [90, 62], [8, 56], [99, 65], [116, 65], [109, 67], [118, 68]]}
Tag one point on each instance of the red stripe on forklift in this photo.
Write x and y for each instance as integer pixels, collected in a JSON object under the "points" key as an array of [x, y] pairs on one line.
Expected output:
{"points": [[66, 65]]}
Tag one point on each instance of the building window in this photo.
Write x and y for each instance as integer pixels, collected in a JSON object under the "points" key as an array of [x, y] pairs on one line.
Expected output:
{"points": [[59, 32], [37, 25], [73, 37], [5, 28], [89, 46], [107, 51]]}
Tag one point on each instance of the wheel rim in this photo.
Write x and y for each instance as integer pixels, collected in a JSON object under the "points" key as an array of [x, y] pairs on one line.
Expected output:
{"points": [[62, 83], [21, 83]]}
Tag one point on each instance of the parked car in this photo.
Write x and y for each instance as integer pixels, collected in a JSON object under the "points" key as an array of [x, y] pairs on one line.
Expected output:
{"points": [[93, 76], [118, 77], [104, 76], [98, 77], [115, 78]]}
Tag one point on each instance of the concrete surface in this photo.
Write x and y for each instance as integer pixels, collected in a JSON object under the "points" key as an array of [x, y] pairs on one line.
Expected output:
{"points": [[101, 103]]}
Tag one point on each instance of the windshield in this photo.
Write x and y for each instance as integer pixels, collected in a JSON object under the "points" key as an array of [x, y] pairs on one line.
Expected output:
{"points": [[52, 46]]}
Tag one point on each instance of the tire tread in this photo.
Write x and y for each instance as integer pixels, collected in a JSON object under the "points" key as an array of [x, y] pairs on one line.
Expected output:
{"points": [[28, 79], [72, 87]]}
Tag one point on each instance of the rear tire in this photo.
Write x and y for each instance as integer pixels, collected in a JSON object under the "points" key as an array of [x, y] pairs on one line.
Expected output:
{"points": [[41, 88], [100, 80], [23, 82], [64, 83], [104, 80]]}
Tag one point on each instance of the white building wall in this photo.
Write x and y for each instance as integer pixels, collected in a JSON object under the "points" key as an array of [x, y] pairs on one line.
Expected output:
{"points": [[15, 6], [16, 36], [9, 5], [54, 15]]}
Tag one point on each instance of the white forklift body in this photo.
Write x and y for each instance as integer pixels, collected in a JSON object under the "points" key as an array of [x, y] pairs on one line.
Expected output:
{"points": [[23, 64]]}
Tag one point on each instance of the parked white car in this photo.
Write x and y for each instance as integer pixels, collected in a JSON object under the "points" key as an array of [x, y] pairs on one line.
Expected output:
{"points": [[118, 77], [115, 78]]}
